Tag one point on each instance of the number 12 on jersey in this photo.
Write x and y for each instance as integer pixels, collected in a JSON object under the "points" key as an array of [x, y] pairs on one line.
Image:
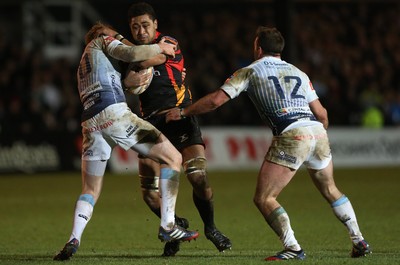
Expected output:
{"points": [[287, 79]]}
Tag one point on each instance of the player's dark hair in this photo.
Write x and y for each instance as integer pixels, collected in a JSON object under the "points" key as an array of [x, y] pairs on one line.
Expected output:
{"points": [[140, 9], [270, 40]]}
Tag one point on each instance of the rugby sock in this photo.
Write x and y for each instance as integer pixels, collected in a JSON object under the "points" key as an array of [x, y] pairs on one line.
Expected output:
{"points": [[206, 211], [344, 211], [83, 213], [157, 211], [169, 185], [279, 221]]}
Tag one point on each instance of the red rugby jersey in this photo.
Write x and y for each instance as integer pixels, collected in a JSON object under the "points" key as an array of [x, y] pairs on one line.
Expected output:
{"points": [[166, 89]]}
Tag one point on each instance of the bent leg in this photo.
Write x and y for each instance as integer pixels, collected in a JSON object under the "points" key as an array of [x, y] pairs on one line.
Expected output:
{"points": [[272, 179], [162, 151], [195, 166], [341, 205], [325, 183], [149, 172]]}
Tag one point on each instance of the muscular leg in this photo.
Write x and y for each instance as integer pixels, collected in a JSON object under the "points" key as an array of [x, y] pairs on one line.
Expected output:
{"points": [[170, 161], [195, 166], [149, 172], [195, 170], [92, 182], [202, 192], [272, 179], [341, 206]]}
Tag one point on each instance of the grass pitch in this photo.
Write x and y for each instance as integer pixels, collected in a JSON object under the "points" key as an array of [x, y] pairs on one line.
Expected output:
{"points": [[36, 220]]}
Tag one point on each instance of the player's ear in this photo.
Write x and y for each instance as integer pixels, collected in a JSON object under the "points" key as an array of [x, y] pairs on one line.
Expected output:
{"points": [[156, 24]]}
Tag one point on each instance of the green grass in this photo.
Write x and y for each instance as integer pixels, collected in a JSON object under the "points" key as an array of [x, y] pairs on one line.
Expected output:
{"points": [[36, 219]]}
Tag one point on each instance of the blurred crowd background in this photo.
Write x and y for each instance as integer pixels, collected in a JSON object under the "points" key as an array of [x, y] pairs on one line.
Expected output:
{"points": [[350, 50]]}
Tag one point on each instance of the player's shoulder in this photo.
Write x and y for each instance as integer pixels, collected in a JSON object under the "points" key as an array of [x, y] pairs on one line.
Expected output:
{"points": [[300, 72], [295, 69]]}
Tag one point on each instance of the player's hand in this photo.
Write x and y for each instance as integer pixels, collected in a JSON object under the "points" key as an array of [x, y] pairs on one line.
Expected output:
{"points": [[183, 74], [173, 115], [167, 48], [136, 79]]}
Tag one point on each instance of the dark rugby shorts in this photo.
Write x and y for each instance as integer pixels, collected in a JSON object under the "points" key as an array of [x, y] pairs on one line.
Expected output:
{"points": [[182, 133]]}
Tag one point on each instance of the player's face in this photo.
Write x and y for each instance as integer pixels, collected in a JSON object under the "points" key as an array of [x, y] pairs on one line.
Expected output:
{"points": [[143, 29]]}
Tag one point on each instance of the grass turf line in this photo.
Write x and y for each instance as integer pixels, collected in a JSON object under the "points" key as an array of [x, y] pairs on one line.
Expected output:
{"points": [[36, 220]]}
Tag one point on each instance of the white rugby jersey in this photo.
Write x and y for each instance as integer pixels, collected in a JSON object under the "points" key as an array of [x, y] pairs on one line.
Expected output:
{"points": [[99, 83], [279, 90]]}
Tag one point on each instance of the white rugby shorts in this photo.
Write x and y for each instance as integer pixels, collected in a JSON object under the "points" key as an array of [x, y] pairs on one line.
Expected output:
{"points": [[115, 125], [308, 145]]}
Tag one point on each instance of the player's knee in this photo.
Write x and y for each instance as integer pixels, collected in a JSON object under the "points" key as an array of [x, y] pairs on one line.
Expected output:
{"points": [[174, 160], [195, 165], [261, 200], [257, 201], [195, 170], [92, 169]]}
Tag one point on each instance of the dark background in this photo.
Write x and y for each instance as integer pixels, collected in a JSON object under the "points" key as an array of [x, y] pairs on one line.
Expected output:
{"points": [[350, 50]]}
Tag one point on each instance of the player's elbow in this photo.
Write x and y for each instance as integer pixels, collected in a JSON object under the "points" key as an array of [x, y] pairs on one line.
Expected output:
{"points": [[213, 106], [218, 98]]}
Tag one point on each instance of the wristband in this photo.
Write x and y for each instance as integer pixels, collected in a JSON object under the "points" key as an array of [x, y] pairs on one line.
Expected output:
{"points": [[180, 113], [119, 37]]}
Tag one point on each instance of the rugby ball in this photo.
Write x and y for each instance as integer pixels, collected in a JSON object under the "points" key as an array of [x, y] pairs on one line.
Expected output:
{"points": [[140, 89]]}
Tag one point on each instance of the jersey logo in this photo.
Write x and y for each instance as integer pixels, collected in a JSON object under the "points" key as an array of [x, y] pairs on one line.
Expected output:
{"points": [[183, 137], [286, 157]]}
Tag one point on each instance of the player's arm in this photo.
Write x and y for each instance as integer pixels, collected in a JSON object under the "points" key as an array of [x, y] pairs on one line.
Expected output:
{"points": [[319, 112], [127, 53], [138, 78], [206, 104], [156, 60]]}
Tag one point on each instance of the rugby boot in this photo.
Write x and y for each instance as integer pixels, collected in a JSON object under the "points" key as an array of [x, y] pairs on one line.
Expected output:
{"points": [[176, 234], [288, 254], [360, 249], [220, 241], [172, 247], [69, 249]]}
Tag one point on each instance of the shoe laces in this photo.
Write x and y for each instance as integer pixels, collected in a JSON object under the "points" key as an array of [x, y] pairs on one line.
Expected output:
{"points": [[217, 235]]}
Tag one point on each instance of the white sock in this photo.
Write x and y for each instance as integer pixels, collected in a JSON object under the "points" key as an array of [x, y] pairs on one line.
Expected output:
{"points": [[344, 211], [169, 185], [83, 213], [279, 222]]}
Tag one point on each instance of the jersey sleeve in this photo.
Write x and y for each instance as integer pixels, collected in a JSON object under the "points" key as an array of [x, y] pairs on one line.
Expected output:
{"points": [[120, 51], [237, 83], [311, 94]]}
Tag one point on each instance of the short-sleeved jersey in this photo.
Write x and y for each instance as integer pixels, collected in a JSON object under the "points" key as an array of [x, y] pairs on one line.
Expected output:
{"points": [[167, 89], [280, 92], [99, 83]]}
